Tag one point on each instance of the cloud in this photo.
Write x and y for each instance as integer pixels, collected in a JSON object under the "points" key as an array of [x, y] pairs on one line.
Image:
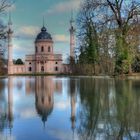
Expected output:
{"points": [[60, 38], [22, 47], [27, 113], [64, 7], [63, 135], [63, 105], [28, 31], [7, 137]]}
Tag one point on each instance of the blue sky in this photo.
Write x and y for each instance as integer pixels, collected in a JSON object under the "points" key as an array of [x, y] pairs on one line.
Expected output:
{"points": [[27, 18]]}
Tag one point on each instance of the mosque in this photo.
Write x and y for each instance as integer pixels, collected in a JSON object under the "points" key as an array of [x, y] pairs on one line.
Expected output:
{"points": [[43, 60]]}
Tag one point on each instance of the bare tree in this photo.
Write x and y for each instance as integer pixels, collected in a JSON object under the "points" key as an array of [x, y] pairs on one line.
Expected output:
{"points": [[116, 19], [4, 7]]}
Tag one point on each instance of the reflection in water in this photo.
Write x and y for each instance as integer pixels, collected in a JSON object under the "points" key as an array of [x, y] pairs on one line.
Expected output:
{"points": [[44, 90], [104, 109], [109, 110], [3, 106], [6, 108], [10, 103], [30, 85], [73, 92]]}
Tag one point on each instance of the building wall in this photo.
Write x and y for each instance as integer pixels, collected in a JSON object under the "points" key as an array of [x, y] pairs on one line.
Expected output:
{"points": [[47, 47], [30, 64], [50, 67], [18, 69]]}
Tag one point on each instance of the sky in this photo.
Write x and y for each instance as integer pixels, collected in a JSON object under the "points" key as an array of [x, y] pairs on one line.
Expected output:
{"points": [[27, 18]]}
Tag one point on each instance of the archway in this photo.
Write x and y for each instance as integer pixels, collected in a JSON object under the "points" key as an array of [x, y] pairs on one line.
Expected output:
{"points": [[42, 68]]}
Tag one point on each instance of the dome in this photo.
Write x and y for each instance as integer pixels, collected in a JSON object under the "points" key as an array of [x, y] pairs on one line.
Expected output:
{"points": [[43, 35]]}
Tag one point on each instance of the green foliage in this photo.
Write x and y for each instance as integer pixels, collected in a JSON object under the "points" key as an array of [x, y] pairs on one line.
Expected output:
{"points": [[19, 62], [117, 19], [136, 64], [89, 50]]}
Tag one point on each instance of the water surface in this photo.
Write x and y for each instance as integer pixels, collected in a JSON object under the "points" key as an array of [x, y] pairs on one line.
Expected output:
{"points": [[69, 108]]}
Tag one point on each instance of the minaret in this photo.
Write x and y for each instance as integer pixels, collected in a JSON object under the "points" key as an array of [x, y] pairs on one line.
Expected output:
{"points": [[72, 38], [9, 35]]}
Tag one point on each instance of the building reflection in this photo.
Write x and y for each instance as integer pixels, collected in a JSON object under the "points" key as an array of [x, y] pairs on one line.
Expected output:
{"points": [[43, 87], [10, 103], [73, 93], [44, 99], [30, 85], [57, 86], [44, 95]]}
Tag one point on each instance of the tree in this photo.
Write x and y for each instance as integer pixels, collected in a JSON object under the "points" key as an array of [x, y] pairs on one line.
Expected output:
{"points": [[120, 20], [4, 5], [19, 62], [125, 16], [88, 36]]}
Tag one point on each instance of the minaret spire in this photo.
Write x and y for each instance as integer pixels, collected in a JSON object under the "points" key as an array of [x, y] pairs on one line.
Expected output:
{"points": [[43, 22], [72, 38], [71, 20], [10, 47], [10, 20]]}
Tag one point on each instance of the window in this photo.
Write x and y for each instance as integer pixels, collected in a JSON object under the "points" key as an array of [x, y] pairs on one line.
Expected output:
{"points": [[49, 49], [56, 68], [42, 49], [42, 100], [36, 49], [42, 69], [30, 63], [56, 62], [30, 68], [49, 99]]}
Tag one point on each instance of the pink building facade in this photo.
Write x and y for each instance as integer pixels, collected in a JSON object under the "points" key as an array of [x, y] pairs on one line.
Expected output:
{"points": [[42, 61]]}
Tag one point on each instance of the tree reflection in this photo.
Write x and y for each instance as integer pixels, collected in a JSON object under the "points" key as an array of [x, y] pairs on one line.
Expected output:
{"points": [[127, 110], [6, 105], [91, 91], [109, 110], [3, 106]]}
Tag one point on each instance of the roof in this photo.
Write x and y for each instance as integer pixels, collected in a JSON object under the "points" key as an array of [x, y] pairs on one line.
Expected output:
{"points": [[43, 35]]}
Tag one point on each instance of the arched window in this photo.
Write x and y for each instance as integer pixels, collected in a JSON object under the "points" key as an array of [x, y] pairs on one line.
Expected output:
{"points": [[30, 69], [49, 49], [56, 68], [42, 49], [42, 100], [42, 68]]}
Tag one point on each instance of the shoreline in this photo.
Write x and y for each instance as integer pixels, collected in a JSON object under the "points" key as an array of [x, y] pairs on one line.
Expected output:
{"points": [[134, 76]]}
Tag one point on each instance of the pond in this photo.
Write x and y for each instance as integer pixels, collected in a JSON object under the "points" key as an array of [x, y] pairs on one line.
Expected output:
{"points": [[69, 108]]}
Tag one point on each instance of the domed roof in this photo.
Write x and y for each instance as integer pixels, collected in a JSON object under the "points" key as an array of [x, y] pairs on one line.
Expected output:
{"points": [[43, 35]]}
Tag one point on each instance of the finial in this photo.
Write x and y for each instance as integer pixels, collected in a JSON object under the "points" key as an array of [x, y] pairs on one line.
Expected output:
{"points": [[71, 20], [10, 21], [43, 22]]}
